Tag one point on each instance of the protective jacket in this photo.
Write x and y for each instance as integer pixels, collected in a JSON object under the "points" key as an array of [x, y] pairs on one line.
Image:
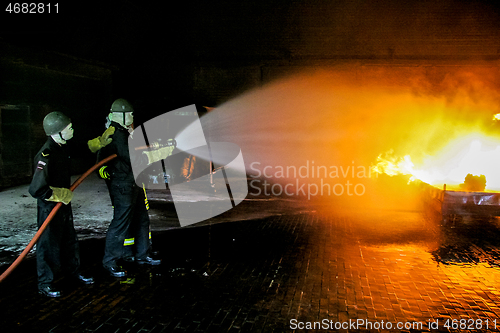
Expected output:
{"points": [[120, 168], [58, 246], [52, 168]]}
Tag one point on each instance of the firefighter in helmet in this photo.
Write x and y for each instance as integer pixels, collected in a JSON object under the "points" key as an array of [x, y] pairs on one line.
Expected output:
{"points": [[130, 216], [58, 246]]}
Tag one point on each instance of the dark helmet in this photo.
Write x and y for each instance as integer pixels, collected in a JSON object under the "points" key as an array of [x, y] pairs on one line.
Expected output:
{"points": [[55, 122], [121, 105]]}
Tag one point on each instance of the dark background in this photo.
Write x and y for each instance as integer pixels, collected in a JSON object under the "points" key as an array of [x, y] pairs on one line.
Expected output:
{"points": [[165, 55]]}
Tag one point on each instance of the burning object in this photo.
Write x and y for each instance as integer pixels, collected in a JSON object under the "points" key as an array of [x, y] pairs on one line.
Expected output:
{"points": [[470, 198], [475, 154], [456, 204]]}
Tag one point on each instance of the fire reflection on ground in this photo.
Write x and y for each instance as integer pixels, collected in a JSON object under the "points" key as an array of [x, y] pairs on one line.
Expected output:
{"points": [[406, 265]]}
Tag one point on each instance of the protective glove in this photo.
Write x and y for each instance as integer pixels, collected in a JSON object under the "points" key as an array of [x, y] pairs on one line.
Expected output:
{"points": [[101, 141], [103, 173], [158, 154], [61, 194]]}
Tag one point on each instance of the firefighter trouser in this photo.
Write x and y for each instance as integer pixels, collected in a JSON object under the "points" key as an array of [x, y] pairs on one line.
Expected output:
{"points": [[128, 245], [128, 251], [129, 214], [58, 245]]}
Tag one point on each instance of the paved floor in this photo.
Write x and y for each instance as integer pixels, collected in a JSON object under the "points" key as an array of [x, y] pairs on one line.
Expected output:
{"points": [[92, 213], [371, 270]]}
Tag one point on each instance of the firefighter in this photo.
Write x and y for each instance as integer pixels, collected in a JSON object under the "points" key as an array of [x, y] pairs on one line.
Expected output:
{"points": [[58, 245], [128, 244], [128, 254], [130, 212]]}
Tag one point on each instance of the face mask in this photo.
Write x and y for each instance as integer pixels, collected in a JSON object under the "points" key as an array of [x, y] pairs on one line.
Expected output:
{"points": [[126, 119], [63, 136], [67, 133]]}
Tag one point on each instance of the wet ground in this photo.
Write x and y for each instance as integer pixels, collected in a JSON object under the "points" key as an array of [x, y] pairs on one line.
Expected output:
{"points": [[280, 267], [91, 209], [92, 213]]}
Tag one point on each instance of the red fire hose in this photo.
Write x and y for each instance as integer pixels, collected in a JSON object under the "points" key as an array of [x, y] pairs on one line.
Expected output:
{"points": [[49, 218]]}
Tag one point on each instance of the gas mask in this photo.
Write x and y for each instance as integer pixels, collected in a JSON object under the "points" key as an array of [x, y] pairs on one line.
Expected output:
{"points": [[65, 135], [125, 119]]}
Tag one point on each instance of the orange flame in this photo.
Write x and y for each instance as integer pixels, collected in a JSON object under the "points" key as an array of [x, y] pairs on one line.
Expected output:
{"points": [[475, 154]]}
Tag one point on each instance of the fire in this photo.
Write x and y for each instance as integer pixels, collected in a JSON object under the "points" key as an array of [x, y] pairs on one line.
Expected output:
{"points": [[476, 154], [392, 165]]}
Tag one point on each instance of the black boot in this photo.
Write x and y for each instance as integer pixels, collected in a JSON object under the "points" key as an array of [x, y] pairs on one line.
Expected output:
{"points": [[148, 261], [115, 271], [49, 291]]}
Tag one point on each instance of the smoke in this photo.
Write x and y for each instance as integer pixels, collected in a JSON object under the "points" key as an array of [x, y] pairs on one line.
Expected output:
{"points": [[340, 119]]}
